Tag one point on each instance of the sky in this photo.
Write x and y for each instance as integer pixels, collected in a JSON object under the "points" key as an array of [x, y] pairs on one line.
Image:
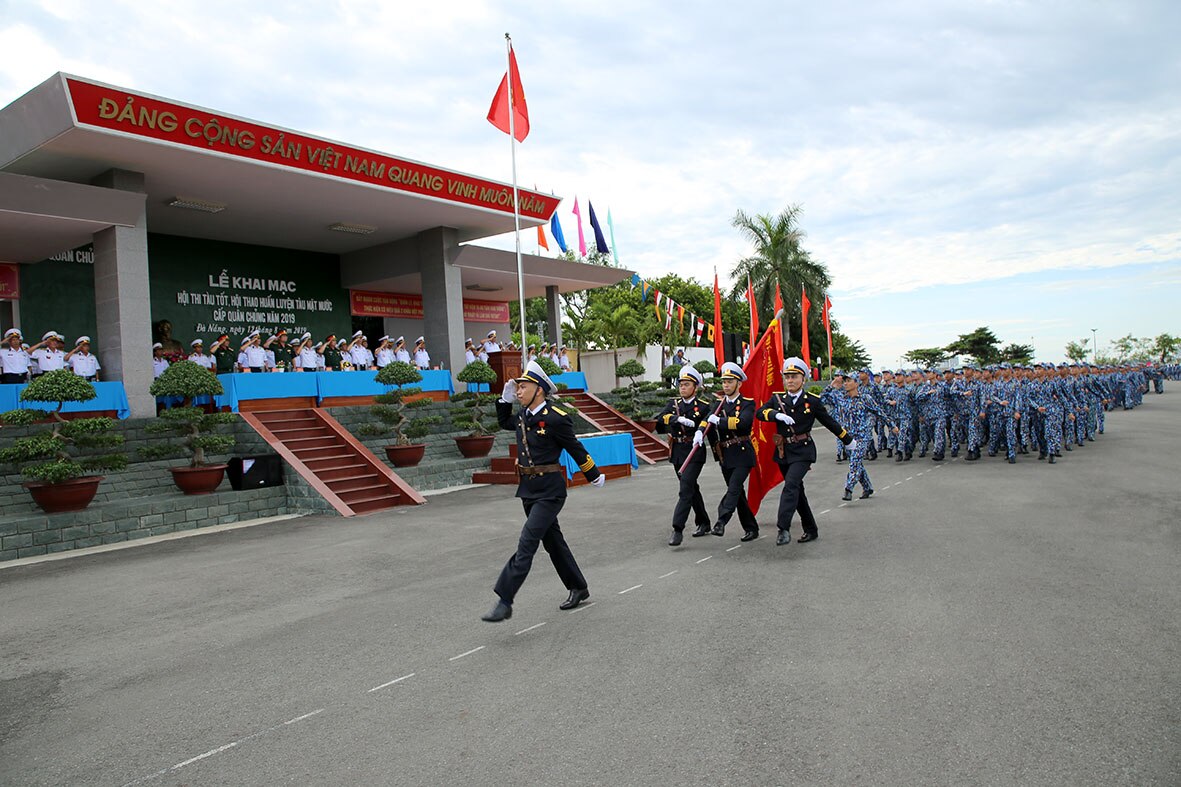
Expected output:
{"points": [[1000, 163]]}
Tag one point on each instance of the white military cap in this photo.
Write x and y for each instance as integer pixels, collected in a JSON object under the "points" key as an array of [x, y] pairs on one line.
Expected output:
{"points": [[358, 334], [794, 364], [490, 335], [306, 335], [733, 371], [535, 374], [385, 338], [400, 340], [689, 373], [420, 340], [49, 335], [196, 343], [157, 346], [12, 332], [82, 340]]}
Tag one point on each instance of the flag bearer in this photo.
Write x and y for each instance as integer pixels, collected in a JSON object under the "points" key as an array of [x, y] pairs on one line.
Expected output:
{"points": [[679, 420], [733, 449]]}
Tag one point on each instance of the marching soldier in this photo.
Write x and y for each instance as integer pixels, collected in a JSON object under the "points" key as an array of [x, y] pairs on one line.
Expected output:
{"points": [[733, 420], [543, 430], [794, 411], [679, 420]]}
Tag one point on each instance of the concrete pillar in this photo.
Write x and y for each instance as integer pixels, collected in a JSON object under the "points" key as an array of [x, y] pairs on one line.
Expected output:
{"points": [[553, 313], [442, 297], [122, 300]]}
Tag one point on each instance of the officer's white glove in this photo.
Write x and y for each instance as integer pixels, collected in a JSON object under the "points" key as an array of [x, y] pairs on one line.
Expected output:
{"points": [[600, 481], [713, 419], [698, 439], [689, 422], [787, 419], [853, 445], [510, 392]]}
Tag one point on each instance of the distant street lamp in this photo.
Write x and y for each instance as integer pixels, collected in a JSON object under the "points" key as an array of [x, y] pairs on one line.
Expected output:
{"points": [[1094, 345]]}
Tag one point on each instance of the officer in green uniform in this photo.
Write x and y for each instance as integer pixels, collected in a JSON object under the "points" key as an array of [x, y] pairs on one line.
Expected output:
{"points": [[284, 352], [223, 356], [330, 352]]}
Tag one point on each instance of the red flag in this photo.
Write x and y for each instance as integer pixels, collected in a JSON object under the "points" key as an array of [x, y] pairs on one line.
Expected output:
{"points": [[762, 379], [827, 327], [754, 312], [719, 351], [498, 113], [541, 241], [778, 298], [805, 305]]}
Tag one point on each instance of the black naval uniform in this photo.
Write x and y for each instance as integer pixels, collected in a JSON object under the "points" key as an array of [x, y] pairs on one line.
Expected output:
{"points": [[680, 438], [795, 451], [737, 455], [541, 436]]}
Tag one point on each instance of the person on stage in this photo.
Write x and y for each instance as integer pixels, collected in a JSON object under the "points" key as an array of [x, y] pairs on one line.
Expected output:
{"points": [[679, 420], [794, 411], [543, 430], [733, 449]]}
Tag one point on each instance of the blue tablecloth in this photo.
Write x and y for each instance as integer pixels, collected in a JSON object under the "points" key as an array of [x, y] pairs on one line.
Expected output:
{"points": [[111, 396], [365, 384], [610, 449], [321, 385], [575, 380]]}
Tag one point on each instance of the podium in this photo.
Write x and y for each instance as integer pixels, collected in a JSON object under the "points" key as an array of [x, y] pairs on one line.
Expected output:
{"points": [[507, 365]]}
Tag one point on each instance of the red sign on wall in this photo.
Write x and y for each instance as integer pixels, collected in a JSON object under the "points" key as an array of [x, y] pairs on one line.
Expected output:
{"points": [[366, 303], [10, 283], [139, 115]]}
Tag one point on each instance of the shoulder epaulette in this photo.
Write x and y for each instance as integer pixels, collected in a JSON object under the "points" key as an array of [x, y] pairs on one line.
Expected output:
{"points": [[558, 410], [747, 399]]}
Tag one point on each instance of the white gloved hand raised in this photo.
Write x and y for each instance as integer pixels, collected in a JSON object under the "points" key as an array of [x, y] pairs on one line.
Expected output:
{"points": [[698, 438], [787, 419], [600, 481], [510, 392], [713, 419], [689, 422]]}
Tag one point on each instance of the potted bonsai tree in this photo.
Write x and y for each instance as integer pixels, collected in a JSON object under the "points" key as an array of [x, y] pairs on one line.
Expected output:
{"points": [[469, 413], [60, 476], [631, 399], [187, 380], [390, 410]]}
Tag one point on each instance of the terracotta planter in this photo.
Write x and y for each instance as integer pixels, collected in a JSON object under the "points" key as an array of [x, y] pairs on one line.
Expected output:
{"points": [[475, 447], [72, 495], [198, 480], [405, 455]]}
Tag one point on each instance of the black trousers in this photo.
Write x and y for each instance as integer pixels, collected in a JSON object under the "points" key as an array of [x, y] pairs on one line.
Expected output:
{"points": [[793, 499], [12, 379], [735, 498], [541, 528], [689, 497]]}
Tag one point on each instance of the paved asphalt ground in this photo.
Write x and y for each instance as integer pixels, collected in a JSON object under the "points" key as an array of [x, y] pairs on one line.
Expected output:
{"points": [[970, 624]]}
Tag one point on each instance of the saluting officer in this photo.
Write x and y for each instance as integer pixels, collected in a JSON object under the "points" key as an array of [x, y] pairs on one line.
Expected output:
{"points": [[679, 420], [794, 411], [733, 449], [223, 356], [283, 354], [543, 430]]}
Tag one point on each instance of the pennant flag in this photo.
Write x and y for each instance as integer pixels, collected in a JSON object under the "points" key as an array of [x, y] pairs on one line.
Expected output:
{"points": [[827, 326], [600, 241], [709, 330], [778, 301], [541, 241], [716, 331], [644, 287], [681, 316], [668, 317], [754, 311], [805, 305], [635, 280], [611, 228], [657, 305], [555, 229], [762, 379], [581, 238], [498, 113], [700, 330]]}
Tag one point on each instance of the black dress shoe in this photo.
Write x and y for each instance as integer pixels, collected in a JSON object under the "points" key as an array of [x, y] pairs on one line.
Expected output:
{"points": [[937, 457], [675, 539], [954, 454], [576, 598], [1052, 459], [848, 495], [889, 452], [1012, 460], [866, 494], [719, 529], [749, 535], [500, 612], [909, 455], [898, 457], [804, 539], [702, 530], [783, 538]]}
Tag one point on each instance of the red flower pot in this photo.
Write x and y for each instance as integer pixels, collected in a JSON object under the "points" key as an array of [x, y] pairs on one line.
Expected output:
{"points": [[198, 480], [72, 495], [405, 455], [474, 447]]}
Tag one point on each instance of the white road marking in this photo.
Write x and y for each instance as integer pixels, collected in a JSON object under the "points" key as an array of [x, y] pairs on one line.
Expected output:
{"points": [[536, 626], [707, 557], [199, 757], [581, 607], [842, 505], [825, 511], [470, 652], [922, 471], [669, 574], [731, 549], [384, 685], [629, 590], [896, 483], [910, 478], [313, 713]]}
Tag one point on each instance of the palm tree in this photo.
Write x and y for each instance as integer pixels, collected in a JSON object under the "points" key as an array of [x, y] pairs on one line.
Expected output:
{"points": [[619, 326], [779, 258]]}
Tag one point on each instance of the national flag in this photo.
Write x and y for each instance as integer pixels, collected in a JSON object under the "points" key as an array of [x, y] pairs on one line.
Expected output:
{"points": [[762, 379], [754, 311], [827, 326], [581, 237], [778, 300], [716, 329], [541, 241], [611, 228], [805, 305], [600, 241], [498, 113], [555, 229]]}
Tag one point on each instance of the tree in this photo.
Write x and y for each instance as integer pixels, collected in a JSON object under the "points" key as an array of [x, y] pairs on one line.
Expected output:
{"points": [[618, 326], [981, 344], [1164, 346], [1078, 351], [1017, 353], [926, 356]]}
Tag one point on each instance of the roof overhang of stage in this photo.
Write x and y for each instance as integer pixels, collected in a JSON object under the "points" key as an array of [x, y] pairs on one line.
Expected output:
{"points": [[270, 186]]}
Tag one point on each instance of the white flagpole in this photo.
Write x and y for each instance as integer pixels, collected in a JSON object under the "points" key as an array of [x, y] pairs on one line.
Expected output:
{"points": [[512, 136]]}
